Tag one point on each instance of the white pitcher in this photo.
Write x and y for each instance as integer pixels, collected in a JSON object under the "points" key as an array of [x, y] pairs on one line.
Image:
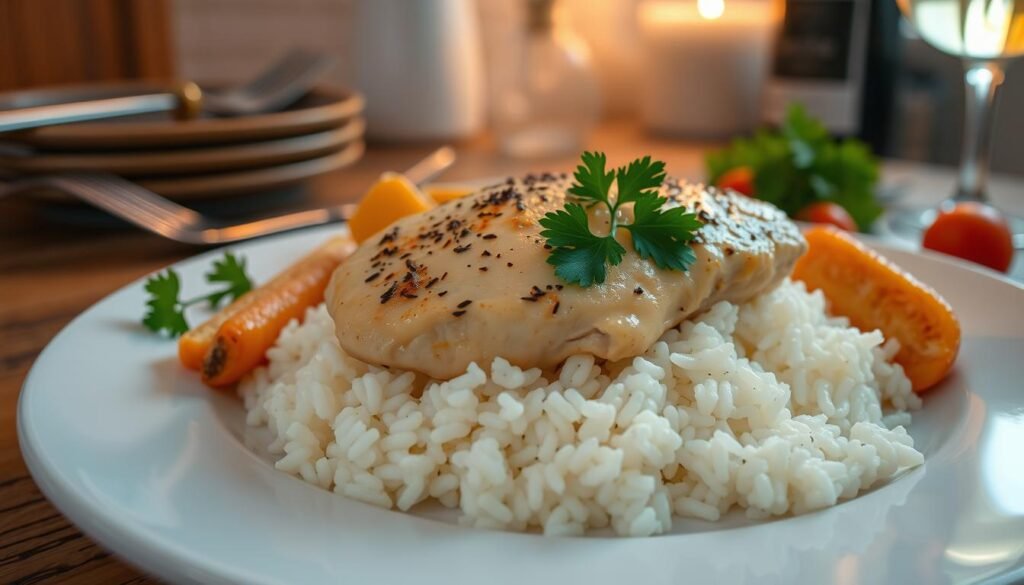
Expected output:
{"points": [[419, 65]]}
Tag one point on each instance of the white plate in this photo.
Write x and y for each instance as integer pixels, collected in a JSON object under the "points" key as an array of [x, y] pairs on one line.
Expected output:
{"points": [[154, 466]]}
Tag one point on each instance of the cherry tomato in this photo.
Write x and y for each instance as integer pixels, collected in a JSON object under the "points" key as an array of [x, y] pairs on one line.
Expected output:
{"points": [[828, 212], [740, 179], [972, 231]]}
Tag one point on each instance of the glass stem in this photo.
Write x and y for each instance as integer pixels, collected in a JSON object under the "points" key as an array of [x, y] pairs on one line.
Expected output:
{"points": [[983, 79]]}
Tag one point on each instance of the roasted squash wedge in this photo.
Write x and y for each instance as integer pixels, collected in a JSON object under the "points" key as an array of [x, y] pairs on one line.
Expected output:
{"points": [[876, 294], [389, 199]]}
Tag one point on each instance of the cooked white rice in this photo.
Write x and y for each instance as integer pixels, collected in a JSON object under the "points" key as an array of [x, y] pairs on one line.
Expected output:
{"points": [[772, 407]]}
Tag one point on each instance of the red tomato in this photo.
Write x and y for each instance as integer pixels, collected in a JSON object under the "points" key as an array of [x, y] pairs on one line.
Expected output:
{"points": [[740, 179], [830, 213], [972, 231]]}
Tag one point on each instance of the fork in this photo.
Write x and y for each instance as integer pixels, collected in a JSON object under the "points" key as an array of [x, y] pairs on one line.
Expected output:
{"points": [[290, 78], [161, 216], [276, 88]]}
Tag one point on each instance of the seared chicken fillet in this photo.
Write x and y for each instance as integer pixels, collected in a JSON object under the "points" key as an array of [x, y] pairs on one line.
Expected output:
{"points": [[468, 281]]}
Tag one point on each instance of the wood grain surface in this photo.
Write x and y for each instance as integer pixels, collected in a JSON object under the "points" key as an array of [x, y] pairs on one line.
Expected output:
{"points": [[49, 42], [50, 272]]}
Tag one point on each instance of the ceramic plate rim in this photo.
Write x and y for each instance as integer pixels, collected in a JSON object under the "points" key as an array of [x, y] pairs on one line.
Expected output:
{"points": [[185, 161], [168, 558], [338, 105]]}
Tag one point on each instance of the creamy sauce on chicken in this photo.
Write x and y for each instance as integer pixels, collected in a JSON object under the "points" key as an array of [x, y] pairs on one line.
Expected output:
{"points": [[468, 281]]}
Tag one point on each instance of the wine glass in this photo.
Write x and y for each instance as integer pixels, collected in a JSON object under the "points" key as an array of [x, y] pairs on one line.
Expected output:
{"points": [[985, 34]]}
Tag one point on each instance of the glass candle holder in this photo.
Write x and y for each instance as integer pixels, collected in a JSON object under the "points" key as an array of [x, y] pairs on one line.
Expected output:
{"points": [[705, 63]]}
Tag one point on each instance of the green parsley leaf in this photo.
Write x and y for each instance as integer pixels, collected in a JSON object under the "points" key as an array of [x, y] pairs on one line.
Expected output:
{"points": [[638, 178], [230, 270], [800, 164], [852, 173], [580, 256], [164, 312], [567, 227], [585, 265], [592, 182], [663, 235]]}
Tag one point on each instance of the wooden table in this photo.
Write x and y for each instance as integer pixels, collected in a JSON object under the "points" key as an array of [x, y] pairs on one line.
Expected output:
{"points": [[51, 272]]}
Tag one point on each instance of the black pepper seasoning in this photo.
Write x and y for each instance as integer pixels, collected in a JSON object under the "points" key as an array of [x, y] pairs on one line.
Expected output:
{"points": [[389, 293]]}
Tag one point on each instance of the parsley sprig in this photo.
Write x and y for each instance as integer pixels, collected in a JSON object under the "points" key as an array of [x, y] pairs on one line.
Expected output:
{"points": [[661, 235], [800, 164], [166, 310]]}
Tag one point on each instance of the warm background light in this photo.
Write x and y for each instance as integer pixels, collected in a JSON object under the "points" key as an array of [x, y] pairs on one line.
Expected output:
{"points": [[705, 66], [711, 9]]}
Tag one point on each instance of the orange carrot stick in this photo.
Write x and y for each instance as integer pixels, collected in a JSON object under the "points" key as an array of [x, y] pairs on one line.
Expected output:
{"points": [[235, 340], [193, 345], [875, 294]]}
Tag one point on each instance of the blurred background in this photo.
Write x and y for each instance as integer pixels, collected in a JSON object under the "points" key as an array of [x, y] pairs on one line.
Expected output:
{"points": [[46, 42]]}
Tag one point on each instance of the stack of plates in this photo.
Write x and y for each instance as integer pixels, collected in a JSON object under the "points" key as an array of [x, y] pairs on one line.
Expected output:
{"points": [[192, 159]]}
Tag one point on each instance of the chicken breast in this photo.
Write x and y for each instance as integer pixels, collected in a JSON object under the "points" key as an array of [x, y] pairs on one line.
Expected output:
{"points": [[468, 281]]}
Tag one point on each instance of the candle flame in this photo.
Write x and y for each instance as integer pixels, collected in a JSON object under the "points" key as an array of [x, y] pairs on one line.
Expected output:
{"points": [[711, 9]]}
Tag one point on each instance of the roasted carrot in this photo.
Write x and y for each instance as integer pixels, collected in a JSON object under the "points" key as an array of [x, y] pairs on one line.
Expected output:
{"points": [[235, 340], [876, 294], [194, 343], [192, 346]]}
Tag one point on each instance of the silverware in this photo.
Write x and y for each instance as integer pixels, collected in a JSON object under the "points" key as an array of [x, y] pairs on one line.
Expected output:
{"points": [[184, 100], [161, 216], [277, 87]]}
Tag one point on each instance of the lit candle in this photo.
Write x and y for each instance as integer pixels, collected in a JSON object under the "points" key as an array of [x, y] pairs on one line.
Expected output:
{"points": [[705, 65]]}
